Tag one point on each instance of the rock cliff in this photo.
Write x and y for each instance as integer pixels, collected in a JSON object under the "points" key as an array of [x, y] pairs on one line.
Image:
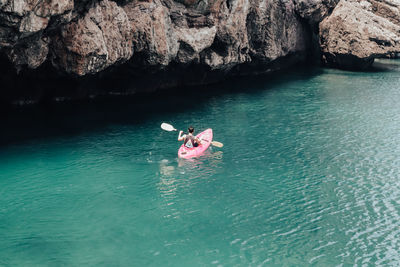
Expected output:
{"points": [[357, 32], [127, 46]]}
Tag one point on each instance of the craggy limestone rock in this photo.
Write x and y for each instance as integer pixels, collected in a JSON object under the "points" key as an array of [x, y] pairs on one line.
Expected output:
{"points": [[21, 28], [158, 43], [293, 36], [359, 31], [100, 39], [33, 56], [230, 46], [218, 35], [87, 37], [154, 39], [314, 11]]}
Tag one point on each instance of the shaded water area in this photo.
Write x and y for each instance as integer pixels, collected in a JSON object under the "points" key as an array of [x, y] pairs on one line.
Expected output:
{"points": [[309, 174]]}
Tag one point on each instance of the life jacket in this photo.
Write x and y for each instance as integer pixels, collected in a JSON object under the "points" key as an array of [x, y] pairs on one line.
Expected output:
{"points": [[189, 141]]}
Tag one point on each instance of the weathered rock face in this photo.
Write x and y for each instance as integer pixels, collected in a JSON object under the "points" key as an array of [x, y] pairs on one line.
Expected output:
{"points": [[163, 43], [94, 42], [159, 43], [22, 24], [88, 37], [155, 40], [314, 11], [359, 31], [218, 35], [152, 44]]}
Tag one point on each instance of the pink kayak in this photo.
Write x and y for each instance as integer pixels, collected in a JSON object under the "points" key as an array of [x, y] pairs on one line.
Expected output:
{"points": [[187, 153]]}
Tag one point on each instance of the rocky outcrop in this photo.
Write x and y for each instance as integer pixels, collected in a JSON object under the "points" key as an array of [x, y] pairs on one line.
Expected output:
{"points": [[359, 31], [22, 24], [314, 11], [88, 37], [101, 38], [132, 45], [217, 35], [156, 43]]}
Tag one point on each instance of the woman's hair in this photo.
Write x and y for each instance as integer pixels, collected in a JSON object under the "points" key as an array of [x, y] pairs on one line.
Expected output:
{"points": [[191, 129]]}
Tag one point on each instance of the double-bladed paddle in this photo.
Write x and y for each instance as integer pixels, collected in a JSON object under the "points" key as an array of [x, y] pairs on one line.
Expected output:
{"points": [[168, 127]]}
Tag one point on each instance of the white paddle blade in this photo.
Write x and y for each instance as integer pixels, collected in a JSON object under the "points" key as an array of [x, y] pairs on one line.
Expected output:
{"points": [[167, 127], [217, 144]]}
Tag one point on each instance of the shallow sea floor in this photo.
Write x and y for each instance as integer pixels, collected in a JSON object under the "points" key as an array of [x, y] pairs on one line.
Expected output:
{"points": [[309, 174]]}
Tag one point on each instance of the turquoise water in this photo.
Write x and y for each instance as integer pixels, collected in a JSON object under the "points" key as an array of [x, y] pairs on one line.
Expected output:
{"points": [[309, 175]]}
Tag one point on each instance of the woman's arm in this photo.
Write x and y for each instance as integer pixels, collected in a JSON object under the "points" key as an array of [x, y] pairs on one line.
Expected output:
{"points": [[180, 136]]}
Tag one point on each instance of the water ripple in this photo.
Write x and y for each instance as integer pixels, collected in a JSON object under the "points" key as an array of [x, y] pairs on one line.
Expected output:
{"points": [[309, 175]]}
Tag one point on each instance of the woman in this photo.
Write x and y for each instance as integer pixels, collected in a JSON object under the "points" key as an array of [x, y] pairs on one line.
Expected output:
{"points": [[189, 140]]}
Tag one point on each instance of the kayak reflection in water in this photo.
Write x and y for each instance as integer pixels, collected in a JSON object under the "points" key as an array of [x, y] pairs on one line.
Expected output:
{"points": [[189, 140]]}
